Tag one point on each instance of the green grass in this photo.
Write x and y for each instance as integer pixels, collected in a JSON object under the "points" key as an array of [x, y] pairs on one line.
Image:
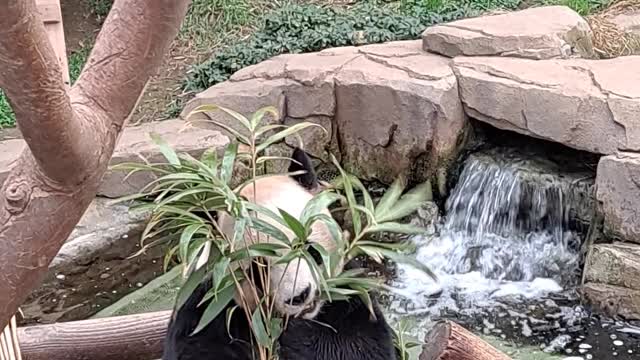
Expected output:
{"points": [[582, 7]]}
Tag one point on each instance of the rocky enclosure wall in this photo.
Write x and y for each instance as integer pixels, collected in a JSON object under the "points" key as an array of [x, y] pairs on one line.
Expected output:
{"points": [[404, 108]]}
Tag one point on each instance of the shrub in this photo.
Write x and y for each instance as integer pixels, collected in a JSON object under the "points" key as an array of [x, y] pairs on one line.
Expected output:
{"points": [[306, 28]]}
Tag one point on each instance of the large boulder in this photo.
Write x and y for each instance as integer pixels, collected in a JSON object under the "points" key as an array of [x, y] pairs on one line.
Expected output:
{"points": [[535, 33], [93, 269], [584, 104], [618, 184], [388, 108]]}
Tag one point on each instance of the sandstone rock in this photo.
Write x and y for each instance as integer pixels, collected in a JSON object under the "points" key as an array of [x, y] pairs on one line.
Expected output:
{"points": [[628, 21], [135, 144], [614, 264], [92, 269], [245, 97], [613, 300], [315, 140], [618, 184], [395, 108], [585, 104], [397, 114], [535, 33]]}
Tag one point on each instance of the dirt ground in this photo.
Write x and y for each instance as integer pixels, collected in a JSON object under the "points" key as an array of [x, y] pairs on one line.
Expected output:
{"points": [[81, 26]]}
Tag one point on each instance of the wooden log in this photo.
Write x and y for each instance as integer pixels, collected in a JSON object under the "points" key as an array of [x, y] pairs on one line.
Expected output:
{"points": [[450, 341], [131, 337]]}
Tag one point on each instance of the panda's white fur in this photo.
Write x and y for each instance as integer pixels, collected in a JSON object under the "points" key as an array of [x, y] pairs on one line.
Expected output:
{"points": [[339, 330], [294, 280]]}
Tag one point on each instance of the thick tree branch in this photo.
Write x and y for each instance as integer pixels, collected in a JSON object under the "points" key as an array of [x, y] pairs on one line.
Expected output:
{"points": [[46, 192], [31, 77]]}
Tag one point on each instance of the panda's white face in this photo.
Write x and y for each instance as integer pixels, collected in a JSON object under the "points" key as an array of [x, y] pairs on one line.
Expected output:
{"points": [[296, 291], [293, 286]]}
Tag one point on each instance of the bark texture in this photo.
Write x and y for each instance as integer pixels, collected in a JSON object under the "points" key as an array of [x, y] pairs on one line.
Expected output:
{"points": [[131, 337], [71, 135], [450, 341]]}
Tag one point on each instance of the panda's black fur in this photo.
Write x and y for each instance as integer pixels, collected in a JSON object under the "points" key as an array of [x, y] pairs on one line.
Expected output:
{"points": [[343, 330]]}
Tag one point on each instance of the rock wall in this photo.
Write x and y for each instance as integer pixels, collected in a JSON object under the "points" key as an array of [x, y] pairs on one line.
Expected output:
{"points": [[403, 107]]}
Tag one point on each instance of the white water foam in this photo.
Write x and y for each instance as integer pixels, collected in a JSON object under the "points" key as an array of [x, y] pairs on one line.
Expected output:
{"points": [[506, 234]]}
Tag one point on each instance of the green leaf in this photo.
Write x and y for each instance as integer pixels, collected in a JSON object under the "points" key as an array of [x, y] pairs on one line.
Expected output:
{"points": [[351, 199], [257, 117], [259, 330], [185, 238], [266, 128], [165, 149], [408, 203], [403, 259], [318, 204], [397, 228], [220, 300], [391, 196], [226, 171], [219, 269], [189, 286], [284, 133], [295, 225], [269, 230]]}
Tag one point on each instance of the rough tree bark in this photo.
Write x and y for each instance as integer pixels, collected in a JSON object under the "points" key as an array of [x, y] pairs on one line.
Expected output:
{"points": [[450, 341], [70, 135]]}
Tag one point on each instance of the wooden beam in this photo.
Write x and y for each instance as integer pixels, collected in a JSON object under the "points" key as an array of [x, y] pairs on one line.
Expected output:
{"points": [[131, 337], [450, 341], [51, 14]]}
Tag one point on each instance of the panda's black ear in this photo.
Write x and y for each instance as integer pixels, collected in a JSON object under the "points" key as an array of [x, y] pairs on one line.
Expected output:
{"points": [[302, 162]]}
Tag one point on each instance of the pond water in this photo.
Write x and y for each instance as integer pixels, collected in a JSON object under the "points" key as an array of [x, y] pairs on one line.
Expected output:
{"points": [[507, 254]]}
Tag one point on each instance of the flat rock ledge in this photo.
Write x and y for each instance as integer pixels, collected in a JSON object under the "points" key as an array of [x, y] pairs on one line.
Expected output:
{"points": [[589, 105], [388, 108], [536, 33]]}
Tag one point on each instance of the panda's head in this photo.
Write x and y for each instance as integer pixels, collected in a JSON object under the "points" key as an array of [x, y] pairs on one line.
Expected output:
{"points": [[293, 286]]}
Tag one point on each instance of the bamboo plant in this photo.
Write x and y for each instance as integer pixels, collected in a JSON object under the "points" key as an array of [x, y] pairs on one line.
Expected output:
{"points": [[188, 191]]}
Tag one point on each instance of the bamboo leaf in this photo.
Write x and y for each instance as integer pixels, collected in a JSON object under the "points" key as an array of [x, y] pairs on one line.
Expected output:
{"points": [[319, 203], [397, 228], [295, 225], [185, 238], [165, 149], [259, 330], [257, 117], [351, 199], [391, 196], [189, 286], [215, 307], [270, 230], [408, 203], [284, 133], [226, 171]]}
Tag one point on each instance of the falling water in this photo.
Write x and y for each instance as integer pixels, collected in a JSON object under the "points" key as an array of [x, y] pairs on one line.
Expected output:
{"points": [[509, 230]]}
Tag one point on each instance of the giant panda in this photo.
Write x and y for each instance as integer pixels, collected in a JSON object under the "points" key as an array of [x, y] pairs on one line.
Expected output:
{"points": [[339, 330]]}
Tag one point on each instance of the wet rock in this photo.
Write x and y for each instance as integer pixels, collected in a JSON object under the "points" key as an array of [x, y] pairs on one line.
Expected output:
{"points": [[618, 191], [536, 33], [558, 344], [583, 104], [614, 264], [613, 300], [92, 264]]}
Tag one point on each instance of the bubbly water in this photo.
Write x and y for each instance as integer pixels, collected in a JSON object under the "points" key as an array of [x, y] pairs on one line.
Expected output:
{"points": [[506, 233]]}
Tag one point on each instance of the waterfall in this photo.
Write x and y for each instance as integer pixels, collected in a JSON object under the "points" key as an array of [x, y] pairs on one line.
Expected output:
{"points": [[509, 229]]}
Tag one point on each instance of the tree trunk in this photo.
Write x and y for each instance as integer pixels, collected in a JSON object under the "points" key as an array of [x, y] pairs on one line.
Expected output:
{"points": [[70, 135], [132, 337], [450, 341]]}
